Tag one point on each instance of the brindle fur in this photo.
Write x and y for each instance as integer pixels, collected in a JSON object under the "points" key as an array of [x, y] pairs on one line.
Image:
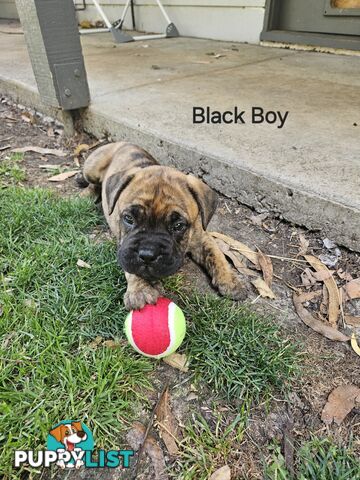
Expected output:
{"points": [[132, 181]]}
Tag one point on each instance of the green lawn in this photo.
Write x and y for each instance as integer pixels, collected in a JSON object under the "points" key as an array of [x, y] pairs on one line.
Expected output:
{"points": [[51, 311]]}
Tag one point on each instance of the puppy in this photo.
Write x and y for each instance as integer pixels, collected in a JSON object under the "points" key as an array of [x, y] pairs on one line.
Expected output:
{"points": [[69, 435], [158, 215]]}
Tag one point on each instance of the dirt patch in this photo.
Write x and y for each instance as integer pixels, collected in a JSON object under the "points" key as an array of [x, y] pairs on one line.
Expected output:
{"points": [[326, 364]]}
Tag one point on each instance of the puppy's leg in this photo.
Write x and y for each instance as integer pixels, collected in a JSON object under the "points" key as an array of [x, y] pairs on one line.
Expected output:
{"points": [[139, 292], [207, 253]]}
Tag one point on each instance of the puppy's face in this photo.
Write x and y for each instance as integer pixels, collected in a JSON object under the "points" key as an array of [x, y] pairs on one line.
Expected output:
{"points": [[158, 210]]}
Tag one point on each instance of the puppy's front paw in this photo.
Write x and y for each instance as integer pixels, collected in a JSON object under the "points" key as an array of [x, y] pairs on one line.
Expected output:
{"points": [[137, 299], [232, 287]]}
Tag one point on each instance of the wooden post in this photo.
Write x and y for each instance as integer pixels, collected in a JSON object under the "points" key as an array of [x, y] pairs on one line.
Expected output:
{"points": [[53, 42]]}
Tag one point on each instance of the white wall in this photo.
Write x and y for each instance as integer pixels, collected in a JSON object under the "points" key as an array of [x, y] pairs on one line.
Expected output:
{"points": [[231, 20]]}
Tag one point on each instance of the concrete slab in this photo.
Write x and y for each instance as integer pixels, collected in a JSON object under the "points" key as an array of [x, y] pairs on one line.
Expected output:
{"points": [[308, 171]]}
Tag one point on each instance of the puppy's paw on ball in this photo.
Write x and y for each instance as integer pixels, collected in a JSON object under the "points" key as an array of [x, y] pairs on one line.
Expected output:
{"points": [[137, 299]]}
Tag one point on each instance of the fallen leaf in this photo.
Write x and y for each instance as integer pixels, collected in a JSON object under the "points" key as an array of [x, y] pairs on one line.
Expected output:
{"points": [[77, 162], [258, 219], [83, 147], [322, 275], [334, 294], [63, 176], [320, 327], [263, 289], [239, 247], [111, 343], [344, 275], [355, 346], [86, 24], [340, 402], [353, 321], [169, 427], [80, 263], [135, 438], [4, 147], [304, 244], [192, 396], [28, 117], [307, 278], [97, 340], [235, 257], [177, 360], [201, 62], [42, 151], [352, 289], [307, 296], [223, 473], [266, 267]]}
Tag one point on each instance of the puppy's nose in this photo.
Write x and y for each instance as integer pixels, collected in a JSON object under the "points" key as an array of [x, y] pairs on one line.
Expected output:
{"points": [[147, 255], [81, 434]]}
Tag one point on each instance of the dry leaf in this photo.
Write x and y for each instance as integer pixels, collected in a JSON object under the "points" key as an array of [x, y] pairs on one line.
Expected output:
{"points": [[353, 321], [83, 147], [63, 176], [263, 289], [239, 247], [320, 327], [177, 360], [340, 402], [258, 219], [4, 147], [304, 244], [169, 427], [352, 289], [307, 278], [80, 263], [28, 117], [334, 295], [223, 473], [86, 24], [355, 346], [42, 151], [96, 342], [307, 296], [111, 343], [344, 275], [266, 267], [235, 257], [135, 438]]}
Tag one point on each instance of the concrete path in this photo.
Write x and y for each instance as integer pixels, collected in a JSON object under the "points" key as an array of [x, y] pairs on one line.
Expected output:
{"points": [[308, 171]]}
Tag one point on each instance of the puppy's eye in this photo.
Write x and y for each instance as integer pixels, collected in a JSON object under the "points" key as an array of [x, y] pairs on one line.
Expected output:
{"points": [[179, 227], [67, 432], [128, 220]]}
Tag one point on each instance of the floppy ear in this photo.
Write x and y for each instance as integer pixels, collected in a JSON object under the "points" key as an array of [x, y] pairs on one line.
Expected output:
{"points": [[57, 433], [114, 186], [77, 426], [205, 197]]}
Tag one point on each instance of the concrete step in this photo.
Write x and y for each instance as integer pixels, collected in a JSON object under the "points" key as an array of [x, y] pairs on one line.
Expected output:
{"points": [[306, 170]]}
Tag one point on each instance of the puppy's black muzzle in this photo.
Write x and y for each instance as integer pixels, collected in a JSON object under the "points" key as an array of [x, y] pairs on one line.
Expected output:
{"points": [[150, 255]]}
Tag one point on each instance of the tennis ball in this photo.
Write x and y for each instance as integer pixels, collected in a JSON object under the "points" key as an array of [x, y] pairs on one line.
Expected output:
{"points": [[156, 330]]}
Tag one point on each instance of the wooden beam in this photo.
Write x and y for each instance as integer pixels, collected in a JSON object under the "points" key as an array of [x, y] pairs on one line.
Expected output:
{"points": [[53, 42]]}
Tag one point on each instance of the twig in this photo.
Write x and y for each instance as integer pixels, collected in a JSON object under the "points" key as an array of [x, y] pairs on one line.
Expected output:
{"points": [[150, 424]]}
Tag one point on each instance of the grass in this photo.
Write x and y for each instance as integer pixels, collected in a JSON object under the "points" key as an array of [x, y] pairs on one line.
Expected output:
{"points": [[239, 354], [207, 445], [51, 310], [10, 170], [318, 459]]}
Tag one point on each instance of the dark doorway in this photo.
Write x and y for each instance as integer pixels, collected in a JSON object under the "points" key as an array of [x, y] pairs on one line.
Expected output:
{"points": [[329, 23]]}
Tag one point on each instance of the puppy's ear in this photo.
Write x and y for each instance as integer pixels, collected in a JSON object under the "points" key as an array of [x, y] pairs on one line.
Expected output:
{"points": [[205, 197], [77, 426], [114, 186], [57, 433]]}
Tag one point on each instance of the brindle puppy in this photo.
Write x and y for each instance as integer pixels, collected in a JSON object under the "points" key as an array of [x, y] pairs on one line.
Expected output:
{"points": [[157, 215]]}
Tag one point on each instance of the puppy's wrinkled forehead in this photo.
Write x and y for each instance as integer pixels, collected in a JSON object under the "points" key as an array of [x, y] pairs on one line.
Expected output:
{"points": [[158, 193]]}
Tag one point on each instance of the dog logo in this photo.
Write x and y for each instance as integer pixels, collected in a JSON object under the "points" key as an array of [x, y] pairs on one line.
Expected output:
{"points": [[70, 440]]}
